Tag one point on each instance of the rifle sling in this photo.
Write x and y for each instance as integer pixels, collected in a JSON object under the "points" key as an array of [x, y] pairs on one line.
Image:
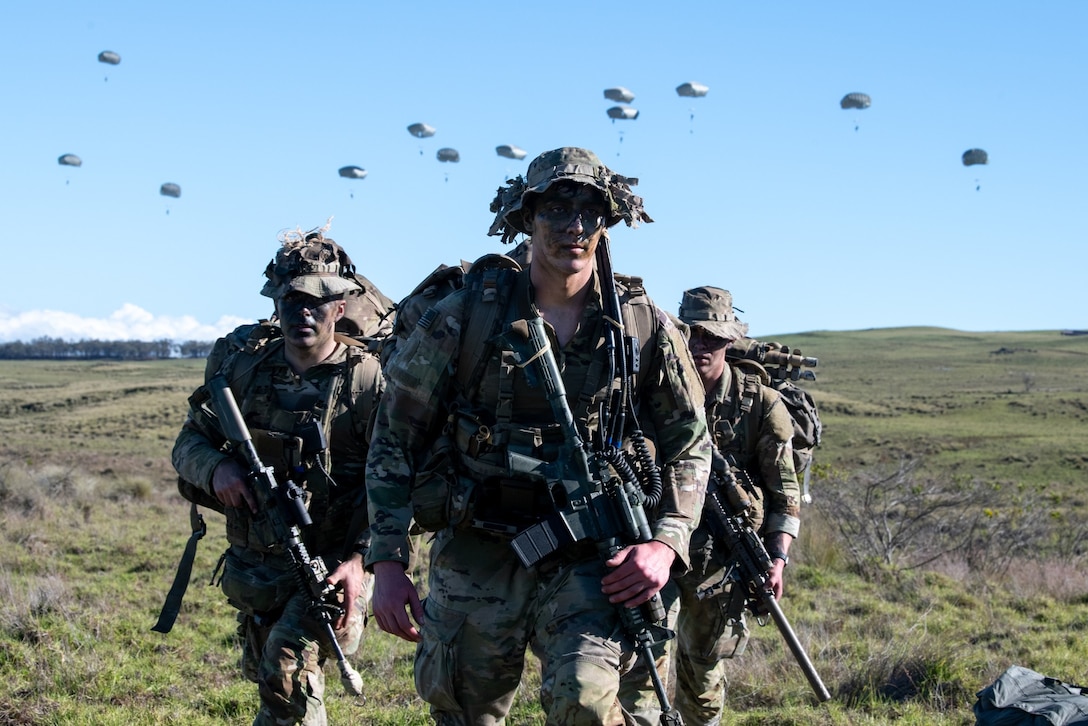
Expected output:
{"points": [[172, 606]]}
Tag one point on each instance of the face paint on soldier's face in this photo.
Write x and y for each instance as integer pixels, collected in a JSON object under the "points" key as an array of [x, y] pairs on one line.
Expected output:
{"points": [[708, 353], [307, 321], [568, 221]]}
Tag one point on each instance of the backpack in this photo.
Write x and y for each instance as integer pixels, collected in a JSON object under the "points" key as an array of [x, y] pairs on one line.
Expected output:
{"points": [[784, 366], [1022, 697]]}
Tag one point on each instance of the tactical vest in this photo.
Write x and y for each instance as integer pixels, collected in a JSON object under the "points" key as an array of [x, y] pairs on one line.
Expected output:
{"points": [[295, 445], [495, 413], [734, 428]]}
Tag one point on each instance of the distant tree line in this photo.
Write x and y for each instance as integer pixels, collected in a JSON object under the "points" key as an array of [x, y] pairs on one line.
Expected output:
{"points": [[46, 348]]}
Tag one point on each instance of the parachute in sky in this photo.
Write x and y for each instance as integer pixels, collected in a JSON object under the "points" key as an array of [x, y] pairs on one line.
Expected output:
{"points": [[856, 100], [170, 189], [69, 160], [448, 154], [692, 89], [352, 172], [622, 112], [619, 94], [510, 151], [108, 56], [975, 156], [421, 130]]}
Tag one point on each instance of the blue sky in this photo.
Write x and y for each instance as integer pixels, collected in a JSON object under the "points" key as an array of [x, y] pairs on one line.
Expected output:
{"points": [[814, 217]]}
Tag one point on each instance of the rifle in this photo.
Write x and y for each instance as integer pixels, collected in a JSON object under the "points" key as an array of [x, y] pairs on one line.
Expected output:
{"points": [[285, 508], [592, 504], [751, 564], [781, 362]]}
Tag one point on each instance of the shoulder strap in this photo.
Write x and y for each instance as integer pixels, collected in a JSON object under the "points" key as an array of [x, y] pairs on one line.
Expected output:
{"points": [[491, 280], [639, 317]]}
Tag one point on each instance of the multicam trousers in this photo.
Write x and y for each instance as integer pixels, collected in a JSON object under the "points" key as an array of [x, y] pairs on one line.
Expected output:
{"points": [[693, 665], [285, 657], [484, 610]]}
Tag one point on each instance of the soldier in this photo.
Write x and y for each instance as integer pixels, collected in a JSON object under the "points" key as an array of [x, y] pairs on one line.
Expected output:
{"points": [[751, 427], [307, 395], [445, 436]]}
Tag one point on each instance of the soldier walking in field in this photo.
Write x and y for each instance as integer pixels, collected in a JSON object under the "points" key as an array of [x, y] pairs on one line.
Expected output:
{"points": [[752, 429], [307, 395], [465, 436]]}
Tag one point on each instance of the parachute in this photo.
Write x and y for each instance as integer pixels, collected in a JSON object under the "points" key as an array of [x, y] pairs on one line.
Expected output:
{"points": [[352, 172], [448, 154], [619, 94], [692, 89], [421, 130], [510, 151], [170, 190], [975, 156], [69, 160], [622, 112], [855, 100], [108, 56]]}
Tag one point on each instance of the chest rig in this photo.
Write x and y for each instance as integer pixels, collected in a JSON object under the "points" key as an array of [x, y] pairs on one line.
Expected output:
{"points": [[497, 415], [733, 421]]}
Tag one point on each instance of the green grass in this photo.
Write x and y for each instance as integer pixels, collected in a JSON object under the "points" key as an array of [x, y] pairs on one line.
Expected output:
{"points": [[91, 528]]}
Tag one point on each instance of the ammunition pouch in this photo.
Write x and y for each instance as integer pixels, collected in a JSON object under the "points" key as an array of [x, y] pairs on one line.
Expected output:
{"points": [[436, 488], [507, 505], [255, 587]]}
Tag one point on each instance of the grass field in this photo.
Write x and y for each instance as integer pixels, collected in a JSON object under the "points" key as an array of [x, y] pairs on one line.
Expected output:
{"points": [[990, 426]]}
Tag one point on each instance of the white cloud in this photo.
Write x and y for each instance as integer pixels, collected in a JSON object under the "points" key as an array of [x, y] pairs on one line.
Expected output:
{"points": [[130, 322]]}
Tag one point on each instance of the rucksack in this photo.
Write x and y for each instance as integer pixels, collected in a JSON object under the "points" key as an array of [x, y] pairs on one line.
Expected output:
{"points": [[784, 366], [1022, 697]]}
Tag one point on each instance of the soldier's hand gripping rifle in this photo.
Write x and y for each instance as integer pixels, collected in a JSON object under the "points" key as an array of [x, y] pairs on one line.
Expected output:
{"points": [[285, 509], [751, 563], [591, 503]]}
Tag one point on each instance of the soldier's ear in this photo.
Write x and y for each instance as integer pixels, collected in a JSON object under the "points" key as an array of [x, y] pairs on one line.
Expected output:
{"points": [[341, 309]]}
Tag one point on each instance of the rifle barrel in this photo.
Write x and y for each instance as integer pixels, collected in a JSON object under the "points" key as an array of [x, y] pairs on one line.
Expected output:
{"points": [[795, 646]]}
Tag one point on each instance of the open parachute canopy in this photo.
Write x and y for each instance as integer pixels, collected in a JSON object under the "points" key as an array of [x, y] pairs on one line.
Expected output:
{"points": [[69, 160], [447, 154], [975, 156], [622, 112], [352, 172], [510, 151], [108, 56], [692, 89], [856, 100], [170, 189], [421, 130], [619, 94]]}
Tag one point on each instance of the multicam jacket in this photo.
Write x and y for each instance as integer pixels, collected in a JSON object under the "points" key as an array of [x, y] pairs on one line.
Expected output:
{"points": [[280, 408], [758, 442], [423, 383]]}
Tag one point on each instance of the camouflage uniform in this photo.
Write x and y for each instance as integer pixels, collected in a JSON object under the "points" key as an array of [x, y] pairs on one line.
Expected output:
{"points": [[283, 649], [751, 427], [484, 609]]}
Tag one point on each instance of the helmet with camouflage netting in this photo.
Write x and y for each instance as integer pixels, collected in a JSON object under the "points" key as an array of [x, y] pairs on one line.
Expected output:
{"points": [[564, 164], [312, 263]]}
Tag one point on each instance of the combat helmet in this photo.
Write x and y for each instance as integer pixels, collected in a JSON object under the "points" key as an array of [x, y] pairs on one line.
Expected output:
{"points": [[566, 163], [711, 308], [311, 263]]}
